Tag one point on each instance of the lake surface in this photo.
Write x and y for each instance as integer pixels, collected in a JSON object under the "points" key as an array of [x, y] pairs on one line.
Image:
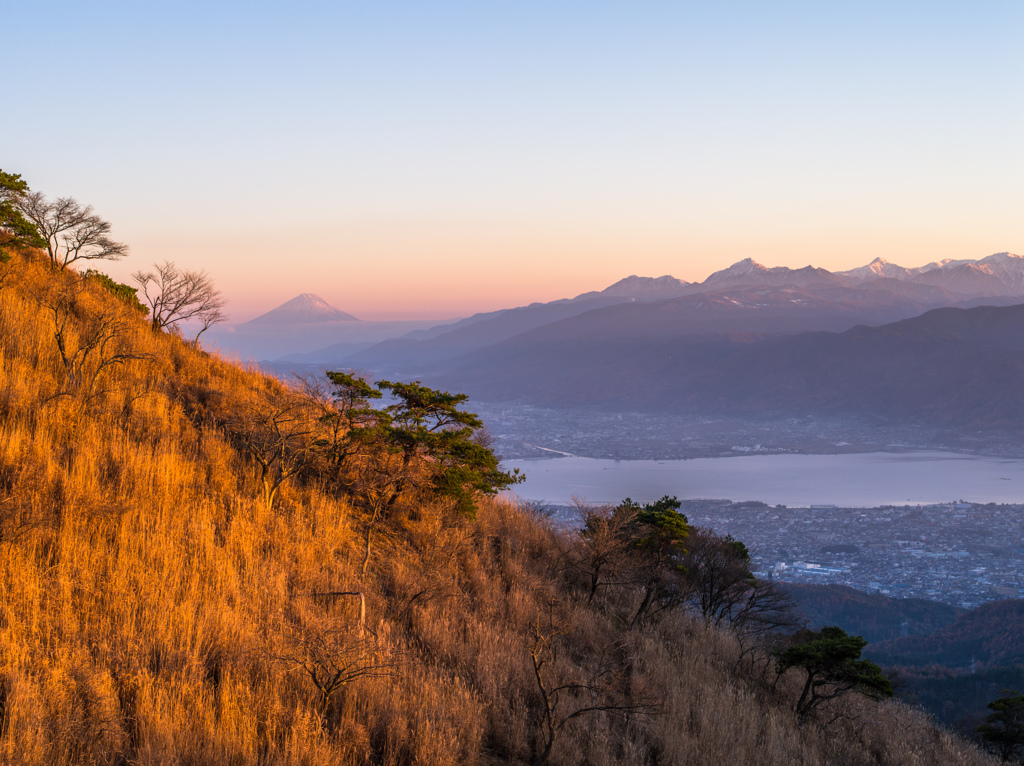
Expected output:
{"points": [[852, 480]]}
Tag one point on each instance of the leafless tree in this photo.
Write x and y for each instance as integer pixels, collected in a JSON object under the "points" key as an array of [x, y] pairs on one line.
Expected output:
{"points": [[566, 696], [718, 575], [604, 544], [378, 479], [721, 587], [765, 618], [334, 653], [71, 232], [207, 320], [88, 342], [333, 660], [335, 417], [177, 295], [281, 436]]}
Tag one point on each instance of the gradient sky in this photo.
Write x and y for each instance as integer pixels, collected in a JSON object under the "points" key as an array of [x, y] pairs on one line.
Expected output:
{"points": [[434, 159]]}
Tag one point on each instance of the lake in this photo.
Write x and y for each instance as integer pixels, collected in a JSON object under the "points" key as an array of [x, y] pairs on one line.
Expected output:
{"points": [[852, 480]]}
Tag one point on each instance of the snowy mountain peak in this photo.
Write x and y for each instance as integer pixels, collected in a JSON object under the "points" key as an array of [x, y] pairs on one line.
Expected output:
{"points": [[634, 286], [304, 309], [877, 269], [750, 272], [748, 267]]}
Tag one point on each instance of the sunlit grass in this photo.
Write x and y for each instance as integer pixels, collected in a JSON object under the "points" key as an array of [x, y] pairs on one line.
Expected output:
{"points": [[149, 598]]}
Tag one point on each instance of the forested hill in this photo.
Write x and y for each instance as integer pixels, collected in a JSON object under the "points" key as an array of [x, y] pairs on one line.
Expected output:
{"points": [[875, 617], [200, 565], [990, 635]]}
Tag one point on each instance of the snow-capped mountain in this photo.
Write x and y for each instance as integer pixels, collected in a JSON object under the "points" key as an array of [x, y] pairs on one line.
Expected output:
{"points": [[998, 274], [965, 279], [878, 269], [648, 288], [750, 272], [1009, 268], [1001, 274], [303, 309]]}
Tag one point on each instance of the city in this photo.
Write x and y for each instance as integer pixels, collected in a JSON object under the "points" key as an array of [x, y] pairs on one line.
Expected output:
{"points": [[525, 431], [963, 554]]}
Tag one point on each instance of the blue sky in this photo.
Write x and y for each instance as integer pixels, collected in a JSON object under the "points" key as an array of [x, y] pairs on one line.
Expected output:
{"points": [[434, 159]]}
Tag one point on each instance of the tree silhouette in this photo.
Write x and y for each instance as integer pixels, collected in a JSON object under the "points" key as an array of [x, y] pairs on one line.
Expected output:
{"points": [[718, 575], [177, 295], [69, 231], [830, 660], [659, 531], [1003, 730]]}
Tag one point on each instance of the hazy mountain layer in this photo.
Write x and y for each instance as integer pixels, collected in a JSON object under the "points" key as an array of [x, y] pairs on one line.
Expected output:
{"points": [[953, 367], [871, 615], [819, 300]]}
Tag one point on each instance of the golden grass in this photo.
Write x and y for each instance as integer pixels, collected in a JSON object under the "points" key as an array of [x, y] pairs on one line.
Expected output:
{"points": [[150, 598]]}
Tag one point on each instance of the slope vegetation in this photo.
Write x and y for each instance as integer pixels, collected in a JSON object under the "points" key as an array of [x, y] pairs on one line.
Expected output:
{"points": [[159, 604]]}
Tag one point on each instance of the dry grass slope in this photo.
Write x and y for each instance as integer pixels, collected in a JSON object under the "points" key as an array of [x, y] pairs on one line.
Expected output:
{"points": [[155, 609]]}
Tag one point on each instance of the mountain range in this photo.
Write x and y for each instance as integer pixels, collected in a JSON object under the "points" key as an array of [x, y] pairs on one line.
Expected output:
{"points": [[957, 368], [939, 344]]}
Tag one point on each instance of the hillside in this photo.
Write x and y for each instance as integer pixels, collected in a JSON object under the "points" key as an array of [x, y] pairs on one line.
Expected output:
{"points": [[992, 635], [165, 599], [873, 616], [949, 661]]}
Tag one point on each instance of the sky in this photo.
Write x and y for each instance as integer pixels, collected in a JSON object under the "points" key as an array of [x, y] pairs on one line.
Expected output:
{"points": [[434, 159]]}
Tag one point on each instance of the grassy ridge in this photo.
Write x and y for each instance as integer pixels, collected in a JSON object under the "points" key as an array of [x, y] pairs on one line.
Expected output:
{"points": [[155, 609]]}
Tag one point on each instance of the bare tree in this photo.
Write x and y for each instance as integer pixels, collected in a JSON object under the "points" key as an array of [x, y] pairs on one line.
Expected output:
{"points": [[718, 575], [207, 320], [88, 342], [281, 434], [566, 695], [71, 232], [604, 544], [762, 621], [334, 653], [177, 295], [335, 659]]}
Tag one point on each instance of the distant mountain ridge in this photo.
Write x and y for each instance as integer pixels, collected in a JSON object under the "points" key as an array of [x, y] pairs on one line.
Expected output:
{"points": [[949, 367], [1000, 274], [662, 343], [871, 615], [855, 294], [750, 272]]}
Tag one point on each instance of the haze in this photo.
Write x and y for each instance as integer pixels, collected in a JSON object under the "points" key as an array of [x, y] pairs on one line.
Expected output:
{"points": [[430, 160]]}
